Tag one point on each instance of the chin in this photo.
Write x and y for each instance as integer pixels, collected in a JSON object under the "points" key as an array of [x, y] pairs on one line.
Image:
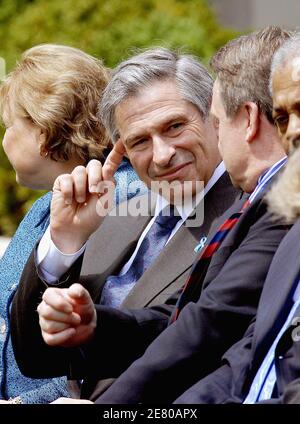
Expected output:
{"points": [[22, 182], [25, 182]]}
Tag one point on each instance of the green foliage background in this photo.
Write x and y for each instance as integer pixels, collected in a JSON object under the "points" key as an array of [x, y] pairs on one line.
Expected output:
{"points": [[108, 29]]}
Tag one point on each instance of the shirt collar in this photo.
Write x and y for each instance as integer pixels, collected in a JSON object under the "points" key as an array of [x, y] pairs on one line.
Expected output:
{"points": [[266, 177]]}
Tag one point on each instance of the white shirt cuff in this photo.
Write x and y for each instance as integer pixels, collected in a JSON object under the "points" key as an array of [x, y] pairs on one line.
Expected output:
{"points": [[52, 263]]}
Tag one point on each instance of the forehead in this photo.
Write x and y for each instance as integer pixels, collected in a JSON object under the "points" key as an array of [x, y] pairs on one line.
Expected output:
{"points": [[286, 87], [152, 105]]}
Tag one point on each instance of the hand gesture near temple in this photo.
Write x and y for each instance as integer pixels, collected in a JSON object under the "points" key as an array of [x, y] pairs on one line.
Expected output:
{"points": [[82, 199]]}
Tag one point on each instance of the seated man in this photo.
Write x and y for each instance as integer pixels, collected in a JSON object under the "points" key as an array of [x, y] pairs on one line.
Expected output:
{"points": [[192, 156], [231, 284], [264, 366]]}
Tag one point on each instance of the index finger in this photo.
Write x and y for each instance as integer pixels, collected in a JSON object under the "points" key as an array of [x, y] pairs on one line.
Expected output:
{"points": [[78, 293], [113, 161], [94, 172], [56, 298]]}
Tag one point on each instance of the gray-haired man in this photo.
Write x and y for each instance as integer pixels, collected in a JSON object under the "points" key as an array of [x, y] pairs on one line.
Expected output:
{"points": [[156, 109], [264, 367], [167, 135]]}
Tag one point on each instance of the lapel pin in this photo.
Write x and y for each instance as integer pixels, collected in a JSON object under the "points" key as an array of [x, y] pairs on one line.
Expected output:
{"points": [[200, 245]]}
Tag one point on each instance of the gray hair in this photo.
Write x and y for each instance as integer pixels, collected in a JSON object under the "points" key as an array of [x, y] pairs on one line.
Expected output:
{"points": [[285, 54], [140, 71]]}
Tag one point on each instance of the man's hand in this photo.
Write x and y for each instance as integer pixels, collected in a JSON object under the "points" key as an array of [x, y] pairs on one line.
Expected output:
{"points": [[67, 316], [82, 199]]}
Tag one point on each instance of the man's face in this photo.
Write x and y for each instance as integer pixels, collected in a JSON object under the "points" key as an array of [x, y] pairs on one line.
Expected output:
{"points": [[286, 106], [231, 135], [165, 137]]}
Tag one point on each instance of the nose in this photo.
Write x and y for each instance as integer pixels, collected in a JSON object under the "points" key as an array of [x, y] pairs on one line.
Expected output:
{"points": [[163, 151], [293, 131]]}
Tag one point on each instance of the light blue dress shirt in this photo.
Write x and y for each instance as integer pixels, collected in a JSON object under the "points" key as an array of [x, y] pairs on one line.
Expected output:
{"points": [[265, 379]]}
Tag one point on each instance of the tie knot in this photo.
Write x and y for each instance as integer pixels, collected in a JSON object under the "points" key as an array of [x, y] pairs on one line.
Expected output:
{"points": [[168, 217]]}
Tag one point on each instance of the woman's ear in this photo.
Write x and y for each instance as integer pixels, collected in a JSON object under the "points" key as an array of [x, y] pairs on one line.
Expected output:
{"points": [[253, 114], [42, 139]]}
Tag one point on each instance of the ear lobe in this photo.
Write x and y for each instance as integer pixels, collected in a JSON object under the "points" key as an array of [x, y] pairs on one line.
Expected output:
{"points": [[253, 121], [41, 140]]}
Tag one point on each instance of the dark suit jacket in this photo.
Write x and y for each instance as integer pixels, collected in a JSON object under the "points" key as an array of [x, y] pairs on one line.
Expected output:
{"points": [[192, 347], [232, 381], [232, 286], [292, 393], [108, 249]]}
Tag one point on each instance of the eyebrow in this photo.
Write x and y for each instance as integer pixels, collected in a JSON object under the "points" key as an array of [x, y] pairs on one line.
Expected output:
{"points": [[279, 109], [131, 139], [296, 105], [170, 119]]}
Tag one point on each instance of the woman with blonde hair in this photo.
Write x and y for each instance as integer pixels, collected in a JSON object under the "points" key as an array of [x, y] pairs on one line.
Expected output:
{"points": [[49, 108]]}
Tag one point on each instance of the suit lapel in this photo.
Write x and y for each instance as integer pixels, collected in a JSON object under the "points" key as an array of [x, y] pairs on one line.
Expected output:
{"points": [[276, 299], [236, 207]]}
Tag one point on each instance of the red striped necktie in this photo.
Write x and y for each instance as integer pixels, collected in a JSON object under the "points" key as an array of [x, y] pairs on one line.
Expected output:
{"points": [[201, 264]]}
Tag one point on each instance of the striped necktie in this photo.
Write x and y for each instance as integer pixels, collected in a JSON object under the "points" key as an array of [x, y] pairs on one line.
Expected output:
{"points": [[201, 264]]}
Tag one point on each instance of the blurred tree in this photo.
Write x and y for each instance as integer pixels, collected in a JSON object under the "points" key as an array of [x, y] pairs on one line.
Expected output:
{"points": [[105, 28]]}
